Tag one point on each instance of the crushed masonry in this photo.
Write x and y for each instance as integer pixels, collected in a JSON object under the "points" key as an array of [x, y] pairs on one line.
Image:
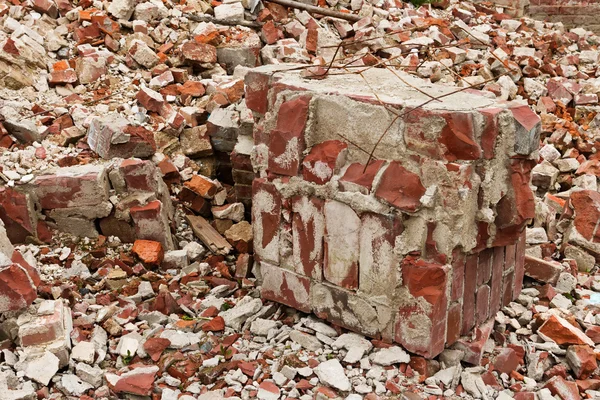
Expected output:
{"points": [[338, 199]]}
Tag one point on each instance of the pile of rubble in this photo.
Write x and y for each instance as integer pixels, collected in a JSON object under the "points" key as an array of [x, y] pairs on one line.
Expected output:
{"points": [[127, 156]]}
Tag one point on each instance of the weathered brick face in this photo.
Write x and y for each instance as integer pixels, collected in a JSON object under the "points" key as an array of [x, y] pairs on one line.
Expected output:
{"points": [[418, 247]]}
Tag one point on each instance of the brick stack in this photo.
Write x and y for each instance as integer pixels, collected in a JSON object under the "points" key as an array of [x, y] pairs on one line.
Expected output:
{"points": [[572, 13], [420, 245]]}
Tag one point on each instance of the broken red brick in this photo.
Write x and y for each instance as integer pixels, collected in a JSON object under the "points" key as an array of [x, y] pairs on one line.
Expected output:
{"points": [[150, 252]]}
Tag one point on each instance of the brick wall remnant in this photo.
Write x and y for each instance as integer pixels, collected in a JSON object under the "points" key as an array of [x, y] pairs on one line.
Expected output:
{"points": [[123, 198], [421, 245]]}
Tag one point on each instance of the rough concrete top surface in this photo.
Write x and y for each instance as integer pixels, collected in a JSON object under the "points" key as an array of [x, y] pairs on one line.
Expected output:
{"points": [[390, 87]]}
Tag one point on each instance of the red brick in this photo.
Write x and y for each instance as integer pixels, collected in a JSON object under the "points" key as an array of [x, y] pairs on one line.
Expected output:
{"points": [[458, 137], [517, 206], [524, 396], [77, 186], [490, 131], [285, 287], [496, 281], [468, 320], [46, 7], [357, 176], [151, 223], [484, 266], [155, 346], [509, 256], [287, 140], [17, 289], [507, 288], [429, 282], [17, 213], [586, 204], [400, 187], [243, 265], [562, 332], [46, 328], [202, 186], [506, 361], [192, 88], [139, 175], [308, 228], [454, 323], [562, 388], [257, 88], [473, 347], [266, 217], [582, 360], [32, 272], [593, 332], [270, 33], [482, 304], [62, 77], [150, 100], [458, 274], [323, 161], [519, 265], [541, 270], [138, 381], [231, 90], [216, 324], [199, 53], [150, 252]]}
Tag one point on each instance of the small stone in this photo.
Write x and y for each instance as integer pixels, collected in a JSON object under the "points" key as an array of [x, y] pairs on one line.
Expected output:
{"points": [[309, 342], [261, 327], [84, 352], [389, 356], [566, 283], [331, 373], [43, 368]]}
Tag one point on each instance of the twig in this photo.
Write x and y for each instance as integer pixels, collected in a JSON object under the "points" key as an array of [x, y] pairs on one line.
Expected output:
{"points": [[317, 10]]}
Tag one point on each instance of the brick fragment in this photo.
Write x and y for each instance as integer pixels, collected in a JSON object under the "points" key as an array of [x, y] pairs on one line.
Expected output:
{"points": [[308, 229], [285, 287], [562, 332], [149, 251], [199, 53], [582, 360], [150, 100], [202, 186], [562, 388], [266, 217]]}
